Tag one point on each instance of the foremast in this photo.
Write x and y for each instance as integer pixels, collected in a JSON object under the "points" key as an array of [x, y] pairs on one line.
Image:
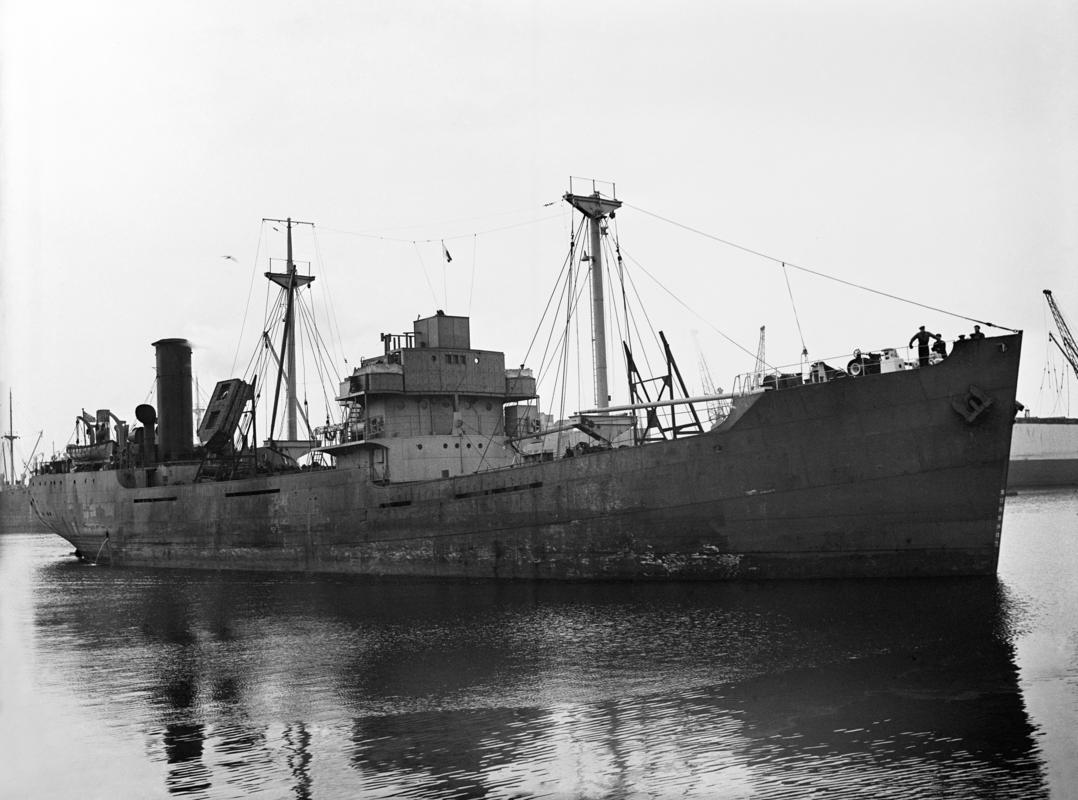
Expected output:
{"points": [[596, 208], [291, 281], [11, 437]]}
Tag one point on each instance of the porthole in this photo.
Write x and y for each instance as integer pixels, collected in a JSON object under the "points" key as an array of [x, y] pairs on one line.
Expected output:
{"points": [[419, 446], [445, 447], [469, 445]]}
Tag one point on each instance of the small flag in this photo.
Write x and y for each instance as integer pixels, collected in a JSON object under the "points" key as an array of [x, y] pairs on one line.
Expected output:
{"points": [[445, 251]]}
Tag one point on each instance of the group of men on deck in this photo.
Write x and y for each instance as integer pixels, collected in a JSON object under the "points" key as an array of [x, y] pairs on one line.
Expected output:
{"points": [[924, 350]]}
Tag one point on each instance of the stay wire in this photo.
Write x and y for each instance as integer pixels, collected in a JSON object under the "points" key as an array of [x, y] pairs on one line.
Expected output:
{"points": [[793, 305], [250, 293], [331, 316], [322, 359], [851, 284], [561, 276], [426, 277], [572, 296], [696, 314]]}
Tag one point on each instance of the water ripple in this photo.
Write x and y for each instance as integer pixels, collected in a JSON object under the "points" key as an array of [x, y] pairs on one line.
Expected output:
{"points": [[230, 686]]}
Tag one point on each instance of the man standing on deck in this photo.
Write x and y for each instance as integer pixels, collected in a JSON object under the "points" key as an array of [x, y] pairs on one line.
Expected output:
{"points": [[922, 337]]}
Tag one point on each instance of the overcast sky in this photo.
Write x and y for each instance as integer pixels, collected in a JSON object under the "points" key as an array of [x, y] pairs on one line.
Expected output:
{"points": [[925, 149]]}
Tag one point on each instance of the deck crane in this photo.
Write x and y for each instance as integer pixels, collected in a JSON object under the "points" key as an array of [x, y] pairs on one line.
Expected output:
{"points": [[1067, 345], [28, 462]]}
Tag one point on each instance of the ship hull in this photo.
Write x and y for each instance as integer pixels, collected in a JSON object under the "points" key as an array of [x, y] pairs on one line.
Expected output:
{"points": [[16, 515], [899, 474], [1044, 453]]}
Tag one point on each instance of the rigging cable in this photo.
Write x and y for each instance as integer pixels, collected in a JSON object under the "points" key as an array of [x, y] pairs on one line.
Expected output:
{"points": [[331, 316], [1046, 369], [688, 308], [402, 240], [250, 292], [322, 357], [471, 287], [786, 274], [565, 354], [544, 363], [615, 317], [426, 277], [621, 281], [819, 274], [562, 273]]}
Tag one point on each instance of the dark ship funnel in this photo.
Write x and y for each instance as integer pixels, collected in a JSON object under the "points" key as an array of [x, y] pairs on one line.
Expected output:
{"points": [[175, 430]]}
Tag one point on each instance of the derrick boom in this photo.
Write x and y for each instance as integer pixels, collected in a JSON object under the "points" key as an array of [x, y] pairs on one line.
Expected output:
{"points": [[1066, 339]]}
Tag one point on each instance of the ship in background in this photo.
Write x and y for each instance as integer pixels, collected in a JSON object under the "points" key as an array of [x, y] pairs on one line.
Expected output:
{"points": [[1044, 450], [16, 514], [442, 463]]}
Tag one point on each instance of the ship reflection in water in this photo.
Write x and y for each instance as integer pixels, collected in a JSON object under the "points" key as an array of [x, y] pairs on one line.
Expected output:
{"points": [[232, 685]]}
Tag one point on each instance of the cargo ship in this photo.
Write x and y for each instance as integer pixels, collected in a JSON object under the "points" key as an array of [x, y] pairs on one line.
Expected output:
{"points": [[16, 514], [1044, 453], [1044, 450], [442, 465]]}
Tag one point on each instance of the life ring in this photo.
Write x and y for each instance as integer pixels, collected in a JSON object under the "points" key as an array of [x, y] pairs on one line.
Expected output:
{"points": [[855, 368]]}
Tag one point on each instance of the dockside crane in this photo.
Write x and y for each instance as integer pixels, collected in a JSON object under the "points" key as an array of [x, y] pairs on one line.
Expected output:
{"points": [[1067, 345], [761, 364]]}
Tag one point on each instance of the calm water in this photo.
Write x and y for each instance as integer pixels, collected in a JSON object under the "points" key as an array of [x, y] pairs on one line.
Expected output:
{"points": [[141, 683]]}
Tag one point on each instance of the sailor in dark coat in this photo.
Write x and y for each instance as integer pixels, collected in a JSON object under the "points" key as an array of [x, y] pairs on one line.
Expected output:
{"points": [[939, 346], [922, 337]]}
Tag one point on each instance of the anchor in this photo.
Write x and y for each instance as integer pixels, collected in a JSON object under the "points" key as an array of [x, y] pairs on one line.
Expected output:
{"points": [[975, 403]]}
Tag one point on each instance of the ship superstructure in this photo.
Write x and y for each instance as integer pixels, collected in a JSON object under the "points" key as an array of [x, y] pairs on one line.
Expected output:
{"points": [[431, 406]]}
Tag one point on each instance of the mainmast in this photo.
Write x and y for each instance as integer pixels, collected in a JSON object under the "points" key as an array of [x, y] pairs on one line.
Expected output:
{"points": [[11, 437], [596, 208], [290, 281]]}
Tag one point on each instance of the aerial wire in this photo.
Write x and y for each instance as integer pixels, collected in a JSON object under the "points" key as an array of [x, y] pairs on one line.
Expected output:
{"points": [[471, 288], [451, 238], [851, 284]]}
